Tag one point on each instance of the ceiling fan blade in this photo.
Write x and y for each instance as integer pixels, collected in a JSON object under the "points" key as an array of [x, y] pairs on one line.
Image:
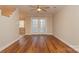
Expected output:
{"points": [[33, 9], [44, 10]]}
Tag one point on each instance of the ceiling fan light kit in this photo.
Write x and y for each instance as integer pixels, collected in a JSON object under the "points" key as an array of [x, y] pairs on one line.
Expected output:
{"points": [[39, 9]]}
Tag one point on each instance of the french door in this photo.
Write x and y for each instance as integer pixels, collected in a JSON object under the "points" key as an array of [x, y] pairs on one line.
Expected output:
{"points": [[39, 26]]}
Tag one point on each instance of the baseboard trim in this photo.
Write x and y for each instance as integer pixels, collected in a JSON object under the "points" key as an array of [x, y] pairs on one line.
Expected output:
{"points": [[11, 43], [70, 45]]}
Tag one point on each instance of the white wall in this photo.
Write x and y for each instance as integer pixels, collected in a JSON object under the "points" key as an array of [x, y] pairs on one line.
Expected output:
{"points": [[8, 29], [28, 25], [49, 24], [66, 25]]}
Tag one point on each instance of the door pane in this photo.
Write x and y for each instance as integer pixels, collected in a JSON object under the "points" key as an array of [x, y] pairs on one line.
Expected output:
{"points": [[42, 25], [38, 25], [34, 25]]}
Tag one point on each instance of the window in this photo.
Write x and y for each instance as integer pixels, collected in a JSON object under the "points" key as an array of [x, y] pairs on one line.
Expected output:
{"points": [[42, 25], [34, 25], [21, 24], [39, 25]]}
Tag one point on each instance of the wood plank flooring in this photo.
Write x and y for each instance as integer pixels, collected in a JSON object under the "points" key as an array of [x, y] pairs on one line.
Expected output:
{"points": [[39, 44]]}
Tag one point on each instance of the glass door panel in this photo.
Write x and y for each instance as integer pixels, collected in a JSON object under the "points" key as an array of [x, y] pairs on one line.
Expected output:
{"points": [[38, 26], [42, 25], [34, 25]]}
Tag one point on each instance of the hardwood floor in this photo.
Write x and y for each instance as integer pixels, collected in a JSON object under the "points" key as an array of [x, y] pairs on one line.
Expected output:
{"points": [[39, 44]]}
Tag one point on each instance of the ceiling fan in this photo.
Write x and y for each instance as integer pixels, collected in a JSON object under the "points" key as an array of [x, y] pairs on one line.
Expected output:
{"points": [[39, 8]]}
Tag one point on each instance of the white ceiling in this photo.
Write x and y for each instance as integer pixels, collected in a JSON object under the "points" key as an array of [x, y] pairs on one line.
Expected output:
{"points": [[50, 11]]}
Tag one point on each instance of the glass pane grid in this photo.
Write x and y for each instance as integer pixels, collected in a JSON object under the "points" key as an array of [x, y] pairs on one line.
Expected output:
{"points": [[39, 25]]}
